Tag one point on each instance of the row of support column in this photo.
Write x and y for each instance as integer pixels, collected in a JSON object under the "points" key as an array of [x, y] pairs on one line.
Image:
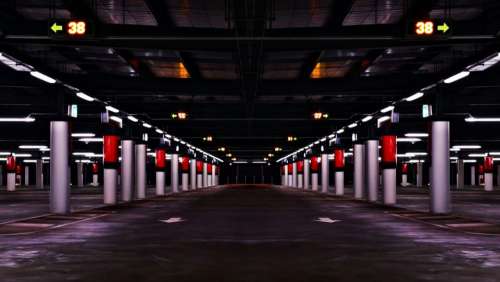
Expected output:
{"points": [[133, 169], [366, 170]]}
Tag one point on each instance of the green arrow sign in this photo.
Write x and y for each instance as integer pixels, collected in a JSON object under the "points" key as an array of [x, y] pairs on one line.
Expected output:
{"points": [[56, 28], [443, 28]]}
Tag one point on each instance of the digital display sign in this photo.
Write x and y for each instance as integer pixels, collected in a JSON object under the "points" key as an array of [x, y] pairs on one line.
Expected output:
{"points": [[429, 28], [73, 28]]}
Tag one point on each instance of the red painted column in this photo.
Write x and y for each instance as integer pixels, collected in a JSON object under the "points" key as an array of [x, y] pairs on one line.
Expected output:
{"points": [[314, 172], [404, 174], [389, 163], [111, 155], [199, 173], [300, 173], [160, 166], [185, 173], [488, 173], [339, 166], [10, 167]]}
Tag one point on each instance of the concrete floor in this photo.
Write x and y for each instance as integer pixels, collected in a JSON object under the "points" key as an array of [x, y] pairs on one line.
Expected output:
{"points": [[249, 233], [28, 201]]}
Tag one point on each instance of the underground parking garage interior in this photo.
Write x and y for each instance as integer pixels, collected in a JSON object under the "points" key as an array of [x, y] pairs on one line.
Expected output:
{"points": [[249, 140]]}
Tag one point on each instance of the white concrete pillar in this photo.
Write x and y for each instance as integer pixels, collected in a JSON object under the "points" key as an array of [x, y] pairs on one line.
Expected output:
{"points": [[372, 169], [488, 173], [174, 173], [294, 175], [205, 174], [39, 174], [140, 170], [389, 165], [339, 165], [79, 174], [314, 181], [440, 182], [199, 173], [473, 175], [359, 170], [160, 183], [11, 181], [192, 173], [498, 175], [420, 174], [127, 170], [210, 170], [111, 164], [460, 174], [213, 175], [325, 178], [286, 175], [314, 173], [110, 183], [307, 173], [160, 166], [26, 176], [59, 162]]}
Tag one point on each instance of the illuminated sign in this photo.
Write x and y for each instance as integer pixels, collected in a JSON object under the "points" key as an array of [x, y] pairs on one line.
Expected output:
{"points": [[70, 28], [427, 28]]}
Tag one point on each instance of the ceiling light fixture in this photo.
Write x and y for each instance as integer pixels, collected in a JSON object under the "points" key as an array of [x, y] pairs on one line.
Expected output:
{"points": [[414, 97], [43, 77], [85, 97], [457, 77]]}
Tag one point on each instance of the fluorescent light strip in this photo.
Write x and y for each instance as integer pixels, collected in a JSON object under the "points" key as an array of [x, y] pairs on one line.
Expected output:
{"points": [[387, 109], [85, 97], [132, 118], [112, 109], [13, 119], [485, 64], [476, 119], [30, 147], [367, 118], [418, 135], [408, 140], [82, 135], [115, 118], [383, 119], [477, 155], [43, 77], [14, 64], [457, 77], [21, 155], [352, 125], [159, 131], [146, 125], [91, 140], [340, 131], [414, 97], [465, 147]]}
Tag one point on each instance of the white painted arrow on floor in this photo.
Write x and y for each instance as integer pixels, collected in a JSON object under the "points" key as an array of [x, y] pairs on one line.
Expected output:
{"points": [[173, 220], [326, 220]]}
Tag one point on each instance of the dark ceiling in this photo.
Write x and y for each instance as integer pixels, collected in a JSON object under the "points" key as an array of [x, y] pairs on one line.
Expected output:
{"points": [[249, 73]]}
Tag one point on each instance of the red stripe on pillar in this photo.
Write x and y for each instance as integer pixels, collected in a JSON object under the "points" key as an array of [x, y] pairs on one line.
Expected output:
{"points": [[11, 164], [209, 168], [185, 164], [161, 156], [95, 168], [110, 146], [488, 164], [300, 167], [389, 151], [314, 164], [339, 159], [199, 167], [404, 168]]}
